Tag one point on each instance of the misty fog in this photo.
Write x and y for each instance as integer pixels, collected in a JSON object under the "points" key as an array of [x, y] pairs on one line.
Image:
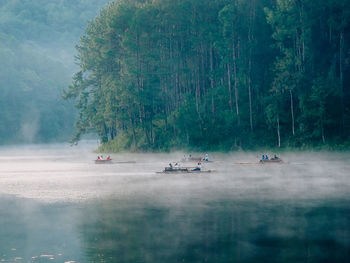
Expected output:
{"points": [[57, 204], [37, 54], [69, 174], [150, 76]]}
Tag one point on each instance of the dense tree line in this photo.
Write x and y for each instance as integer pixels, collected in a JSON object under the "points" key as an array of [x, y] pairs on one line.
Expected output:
{"points": [[215, 74], [36, 38]]}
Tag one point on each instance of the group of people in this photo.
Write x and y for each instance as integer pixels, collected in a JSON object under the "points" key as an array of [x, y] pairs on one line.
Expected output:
{"points": [[198, 167], [266, 157], [176, 166], [191, 158], [100, 158]]}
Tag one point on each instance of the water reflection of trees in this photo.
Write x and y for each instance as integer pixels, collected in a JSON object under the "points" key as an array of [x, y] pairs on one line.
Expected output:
{"points": [[215, 232]]}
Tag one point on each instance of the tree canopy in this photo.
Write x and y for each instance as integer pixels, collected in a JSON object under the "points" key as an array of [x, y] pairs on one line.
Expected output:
{"points": [[223, 74]]}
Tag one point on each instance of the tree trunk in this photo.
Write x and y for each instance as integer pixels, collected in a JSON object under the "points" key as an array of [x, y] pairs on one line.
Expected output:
{"points": [[133, 133], [250, 43], [198, 101], [250, 95], [302, 35], [292, 110], [322, 132], [278, 131], [212, 83], [236, 83], [229, 85], [341, 84]]}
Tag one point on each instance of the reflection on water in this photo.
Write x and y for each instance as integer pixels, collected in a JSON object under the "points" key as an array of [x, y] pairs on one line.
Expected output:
{"points": [[222, 231], [56, 205], [33, 232]]}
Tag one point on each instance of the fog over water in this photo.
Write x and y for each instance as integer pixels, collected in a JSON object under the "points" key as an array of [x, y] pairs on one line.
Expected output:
{"points": [[57, 205]]}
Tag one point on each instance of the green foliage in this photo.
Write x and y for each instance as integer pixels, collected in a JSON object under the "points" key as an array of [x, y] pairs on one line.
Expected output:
{"points": [[158, 75]]}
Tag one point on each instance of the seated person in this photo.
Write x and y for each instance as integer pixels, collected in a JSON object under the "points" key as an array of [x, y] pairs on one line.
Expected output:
{"points": [[198, 168]]}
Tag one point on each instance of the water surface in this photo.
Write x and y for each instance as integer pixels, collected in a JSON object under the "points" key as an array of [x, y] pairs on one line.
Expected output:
{"points": [[57, 205]]}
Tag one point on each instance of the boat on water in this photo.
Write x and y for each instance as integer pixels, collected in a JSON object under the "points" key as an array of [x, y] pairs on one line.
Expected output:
{"points": [[191, 158], [175, 169], [271, 161], [100, 161], [183, 170], [275, 160]]}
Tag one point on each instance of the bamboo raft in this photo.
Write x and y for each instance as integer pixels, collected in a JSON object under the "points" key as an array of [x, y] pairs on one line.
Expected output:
{"points": [[103, 161], [167, 170], [261, 162], [271, 161]]}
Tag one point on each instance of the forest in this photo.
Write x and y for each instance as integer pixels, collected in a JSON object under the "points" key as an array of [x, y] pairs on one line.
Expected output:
{"points": [[215, 75], [37, 62]]}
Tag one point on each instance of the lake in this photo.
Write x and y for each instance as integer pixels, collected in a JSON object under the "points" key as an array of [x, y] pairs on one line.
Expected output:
{"points": [[57, 205]]}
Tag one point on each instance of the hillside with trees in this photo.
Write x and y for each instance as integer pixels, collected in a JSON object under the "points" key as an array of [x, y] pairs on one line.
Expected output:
{"points": [[37, 41], [223, 74]]}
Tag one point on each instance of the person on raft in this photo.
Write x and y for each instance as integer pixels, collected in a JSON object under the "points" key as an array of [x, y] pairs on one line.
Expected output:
{"points": [[198, 168], [275, 157], [264, 157]]}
